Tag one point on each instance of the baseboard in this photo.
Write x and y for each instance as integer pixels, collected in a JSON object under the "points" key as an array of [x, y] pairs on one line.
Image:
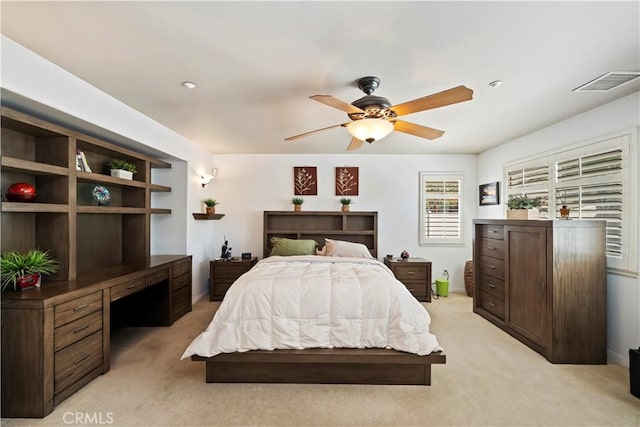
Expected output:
{"points": [[196, 298], [617, 359]]}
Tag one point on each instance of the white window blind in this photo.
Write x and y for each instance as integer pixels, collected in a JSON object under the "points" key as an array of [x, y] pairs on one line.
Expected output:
{"points": [[441, 209], [595, 180]]}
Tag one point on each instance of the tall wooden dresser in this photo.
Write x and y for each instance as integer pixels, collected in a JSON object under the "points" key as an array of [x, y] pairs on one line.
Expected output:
{"points": [[544, 282]]}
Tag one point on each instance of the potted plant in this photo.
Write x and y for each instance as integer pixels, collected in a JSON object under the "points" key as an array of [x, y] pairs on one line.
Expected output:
{"points": [[522, 207], [120, 168], [21, 271], [345, 202], [297, 203], [210, 205]]}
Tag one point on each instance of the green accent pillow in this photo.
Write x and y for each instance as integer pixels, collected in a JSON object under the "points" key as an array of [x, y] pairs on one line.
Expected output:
{"points": [[288, 247]]}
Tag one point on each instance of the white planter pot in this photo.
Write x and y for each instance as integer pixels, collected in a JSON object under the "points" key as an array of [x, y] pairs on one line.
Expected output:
{"points": [[120, 173]]}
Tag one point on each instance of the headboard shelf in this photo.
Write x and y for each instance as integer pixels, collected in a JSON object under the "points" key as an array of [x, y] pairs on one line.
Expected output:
{"points": [[360, 227]]}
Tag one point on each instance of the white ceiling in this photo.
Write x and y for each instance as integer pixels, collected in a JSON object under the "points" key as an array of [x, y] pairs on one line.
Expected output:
{"points": [[256, 64]]}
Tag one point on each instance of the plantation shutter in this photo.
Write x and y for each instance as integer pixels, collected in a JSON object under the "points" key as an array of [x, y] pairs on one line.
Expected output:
{"points": [[442, 214], [532, 180]]}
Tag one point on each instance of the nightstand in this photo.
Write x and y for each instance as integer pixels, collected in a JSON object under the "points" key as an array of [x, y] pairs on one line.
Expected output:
{"points": [[222, 274], [414, 273]]}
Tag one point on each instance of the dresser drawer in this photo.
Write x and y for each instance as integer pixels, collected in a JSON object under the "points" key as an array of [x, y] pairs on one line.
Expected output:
{"points": [[491, 231], [492, 285], [157, 276], [181, 282], [181, 268], [181, 301], [77, 308], [491, 247], [491, 266], [127, 288], [77, 330], [77, 360], [492, 304], [410, 272]]}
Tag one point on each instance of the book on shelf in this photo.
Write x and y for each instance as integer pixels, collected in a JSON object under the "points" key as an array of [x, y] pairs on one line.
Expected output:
{"points": [[78, 161], [85, 164]]}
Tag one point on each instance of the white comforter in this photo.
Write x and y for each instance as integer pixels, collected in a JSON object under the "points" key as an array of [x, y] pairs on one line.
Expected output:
{"points": [[316, 302]]}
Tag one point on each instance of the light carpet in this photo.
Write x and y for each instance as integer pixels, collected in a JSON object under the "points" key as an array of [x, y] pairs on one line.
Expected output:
{"points": [[490, 379]]}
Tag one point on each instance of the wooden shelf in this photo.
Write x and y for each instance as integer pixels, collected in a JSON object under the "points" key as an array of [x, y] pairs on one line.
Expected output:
{"points": [[110, 210], [33, 168], [33, 207], [107, 179], [160, 188], [160, 211], [205, 216]]}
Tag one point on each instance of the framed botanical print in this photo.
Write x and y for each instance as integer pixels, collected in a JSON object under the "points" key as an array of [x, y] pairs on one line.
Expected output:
{"points": [[347, 181], [305, 181]]}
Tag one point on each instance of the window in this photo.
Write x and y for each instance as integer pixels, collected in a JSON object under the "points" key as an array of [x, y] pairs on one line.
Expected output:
{"points": [[441, 209], [595, 180]]}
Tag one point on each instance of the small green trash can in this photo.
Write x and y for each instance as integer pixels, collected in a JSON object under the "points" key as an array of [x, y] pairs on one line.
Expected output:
{"points": [[442, 285]]}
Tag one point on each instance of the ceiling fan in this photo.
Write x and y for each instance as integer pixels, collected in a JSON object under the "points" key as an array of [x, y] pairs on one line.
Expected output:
{"points": [[373, 117]]}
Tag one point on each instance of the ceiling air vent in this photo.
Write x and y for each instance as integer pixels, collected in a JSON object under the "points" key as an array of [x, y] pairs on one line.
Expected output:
{"points": [[606, 82]]}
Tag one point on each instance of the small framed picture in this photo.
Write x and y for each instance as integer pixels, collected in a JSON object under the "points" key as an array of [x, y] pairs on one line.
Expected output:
{"points": [[489, 194]]}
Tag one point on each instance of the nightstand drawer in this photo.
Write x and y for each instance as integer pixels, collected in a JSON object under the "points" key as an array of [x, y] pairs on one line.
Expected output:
{"points": [[77, 360], [491, 266], [492, 285], [77, 330], [410, 272], [230, 271], [491, 247], [77, 308], [491, 231], [417, 289], [127, 288]]}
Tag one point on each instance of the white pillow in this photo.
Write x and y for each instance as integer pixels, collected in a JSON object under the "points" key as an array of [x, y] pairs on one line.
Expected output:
{"points": [[346, 249]]}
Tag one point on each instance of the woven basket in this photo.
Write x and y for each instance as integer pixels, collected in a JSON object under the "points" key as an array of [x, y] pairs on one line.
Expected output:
{"points": [[468, 278]]}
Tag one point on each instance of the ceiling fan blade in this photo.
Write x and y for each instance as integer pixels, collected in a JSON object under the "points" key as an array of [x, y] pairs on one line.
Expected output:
{"points": [[302, 135], [336, 103], [355, 144], [417, 130], [440, 99]]}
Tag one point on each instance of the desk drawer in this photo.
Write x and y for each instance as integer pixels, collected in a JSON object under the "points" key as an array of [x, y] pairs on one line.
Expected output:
{"points": [[157, 276], [78, 329], [77, 360], [127, 288], [181, 268], [77, 308], [491, 266], [181, 282], [181, 301], [492, 247], [492, 285], [410, 272]]}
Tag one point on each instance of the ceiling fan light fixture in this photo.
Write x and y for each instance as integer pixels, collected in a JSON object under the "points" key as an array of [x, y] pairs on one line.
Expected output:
{"points": [[370, 130]]}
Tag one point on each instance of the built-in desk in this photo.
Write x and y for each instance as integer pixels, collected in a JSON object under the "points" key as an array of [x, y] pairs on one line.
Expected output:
{"points": [[56, 339]]}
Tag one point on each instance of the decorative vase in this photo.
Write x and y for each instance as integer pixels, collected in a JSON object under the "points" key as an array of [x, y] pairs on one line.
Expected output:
{"points": [[564, 212], [210, 210], [297, 208], [28, 281], [345, 208], [21, 192]]}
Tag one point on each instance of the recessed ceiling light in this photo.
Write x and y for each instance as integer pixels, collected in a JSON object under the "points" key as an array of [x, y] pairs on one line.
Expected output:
{"points": [[495, 83], [189, 85]]}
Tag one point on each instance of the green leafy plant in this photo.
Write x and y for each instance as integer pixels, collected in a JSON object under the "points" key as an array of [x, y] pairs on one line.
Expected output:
{"points": [[122, 164], [297, 200], [211, 202], [14, 265], [522, 202], [345, 201]]}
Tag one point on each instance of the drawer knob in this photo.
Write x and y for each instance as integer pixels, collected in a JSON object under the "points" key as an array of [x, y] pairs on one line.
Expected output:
{"points": [[493, 267], [411, 272], [492, 304], [81, 359], [81, 328], [81, 307], [412, 290], [132, 286], [492, 231], [491, 285], [492, 248]]}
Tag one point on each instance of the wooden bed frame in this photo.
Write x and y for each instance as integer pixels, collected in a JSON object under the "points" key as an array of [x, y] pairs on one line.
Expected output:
{"points": [[322, 366]]}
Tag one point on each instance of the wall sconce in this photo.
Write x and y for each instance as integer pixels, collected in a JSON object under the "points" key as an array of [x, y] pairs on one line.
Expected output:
{"points": [[207, 178]]}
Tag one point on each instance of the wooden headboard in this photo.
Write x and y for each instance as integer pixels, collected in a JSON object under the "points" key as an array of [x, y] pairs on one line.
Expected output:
{"points": [[359, 227]]}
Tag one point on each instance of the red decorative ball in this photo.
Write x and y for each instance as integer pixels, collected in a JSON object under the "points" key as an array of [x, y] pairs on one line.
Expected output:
{"points": [[21, 192]]}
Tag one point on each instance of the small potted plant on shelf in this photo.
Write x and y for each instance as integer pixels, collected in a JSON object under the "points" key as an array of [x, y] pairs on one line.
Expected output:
{"points": [[345, 202], [210, 205], [297, 203], [120, 168], [22, 271], [522, 207]]}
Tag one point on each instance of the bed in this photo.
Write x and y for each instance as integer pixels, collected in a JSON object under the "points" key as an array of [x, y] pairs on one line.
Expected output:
{"points": [[320, 364]]}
